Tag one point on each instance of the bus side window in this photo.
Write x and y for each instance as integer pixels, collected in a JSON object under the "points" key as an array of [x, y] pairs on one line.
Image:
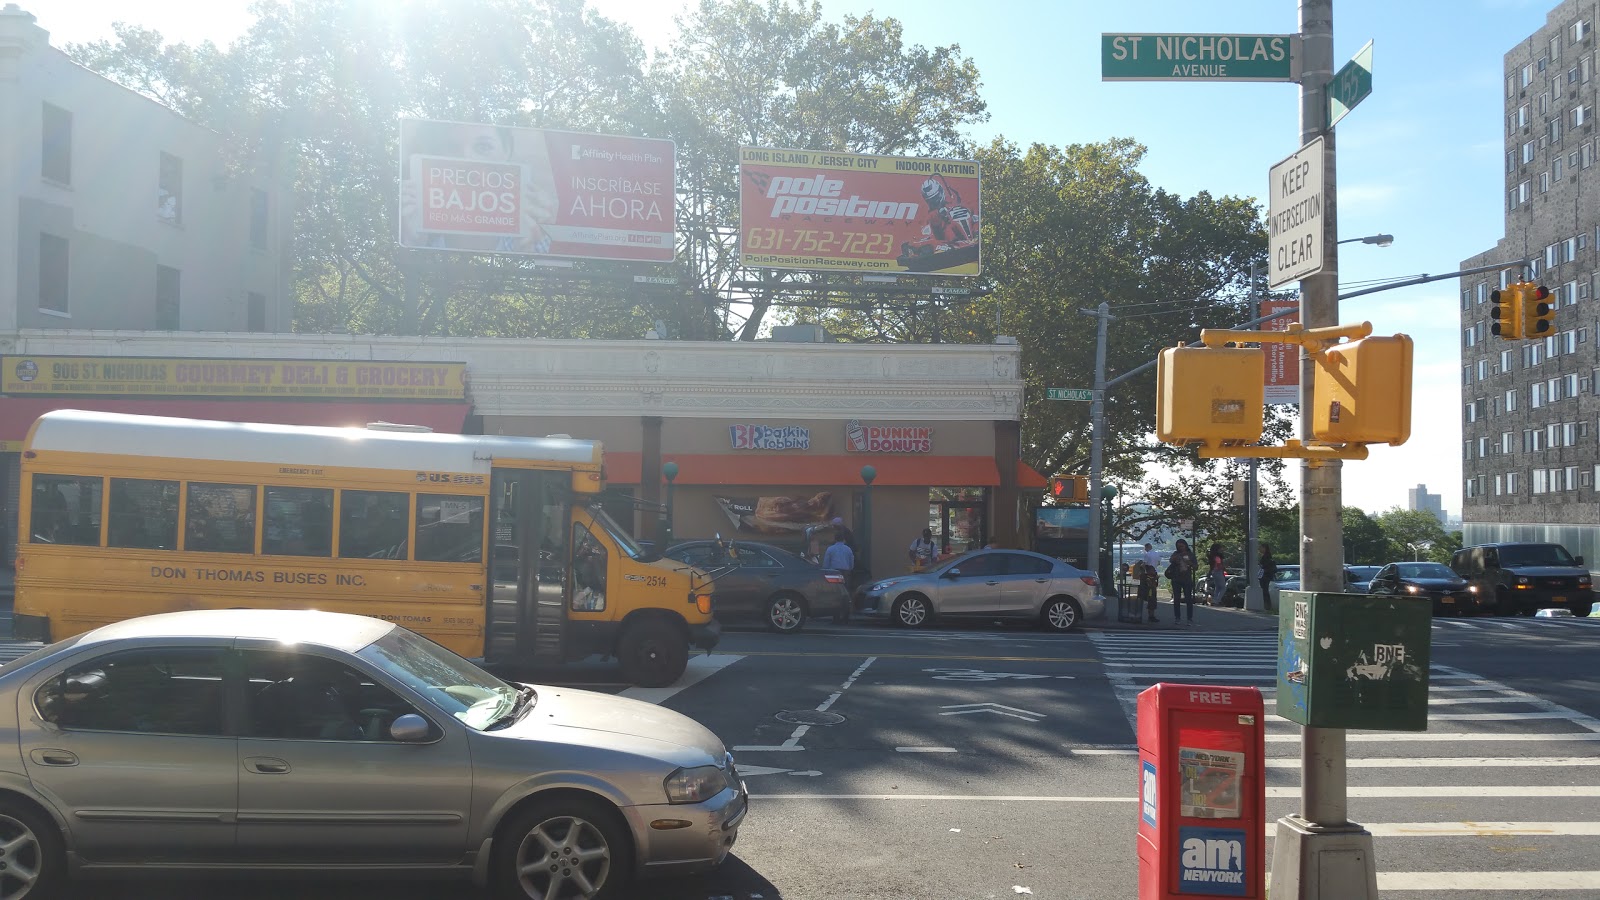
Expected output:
{"points": [[373, 524], [221, 518], [299, 521], [449, 528], [143, 515], [66, 510], [588, 571]]}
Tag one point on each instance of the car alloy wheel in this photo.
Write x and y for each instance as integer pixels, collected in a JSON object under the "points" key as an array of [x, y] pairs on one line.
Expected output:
{"points": [[23, 860], [785, 613], [563, 857], [911, 611], [1061, 614]]}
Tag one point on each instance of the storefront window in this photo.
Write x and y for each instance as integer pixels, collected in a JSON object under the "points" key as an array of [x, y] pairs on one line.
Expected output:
{"points": [[959, 517]]}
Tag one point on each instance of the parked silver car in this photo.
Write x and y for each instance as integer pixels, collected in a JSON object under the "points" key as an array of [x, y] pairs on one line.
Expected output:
{"points": [[990, 584], [305, 740]]}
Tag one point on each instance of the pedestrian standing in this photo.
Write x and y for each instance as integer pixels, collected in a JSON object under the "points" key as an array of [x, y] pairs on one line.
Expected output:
{"points": [[922, 550], [1217, 575], [1265, 572], [838, 556], [1145, 585], [1180, 571], [1152, 575]]}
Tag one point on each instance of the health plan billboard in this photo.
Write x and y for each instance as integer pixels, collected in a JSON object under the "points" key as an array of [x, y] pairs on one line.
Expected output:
{"points": [[852, 212], [536, 191]]}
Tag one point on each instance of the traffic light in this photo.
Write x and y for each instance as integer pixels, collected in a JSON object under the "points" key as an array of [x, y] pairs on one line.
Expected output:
{"points": [[1070, 488], [1362, 392], [1538, 312], [1506, 314], [1210, 396]]}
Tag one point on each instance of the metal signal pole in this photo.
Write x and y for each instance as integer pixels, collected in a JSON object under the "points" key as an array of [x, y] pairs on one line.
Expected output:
{"points": [[1097, 441]]}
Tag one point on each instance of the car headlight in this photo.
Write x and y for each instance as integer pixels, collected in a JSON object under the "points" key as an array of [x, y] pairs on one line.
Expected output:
{"points": [[1413, 589], [1583, 581], [1521, 580], [695, 785], [884, 585], [1472, 589]]}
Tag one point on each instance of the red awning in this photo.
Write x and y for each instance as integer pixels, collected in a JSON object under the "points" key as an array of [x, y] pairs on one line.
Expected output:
{"points": [[17, 414], [893, 471]]}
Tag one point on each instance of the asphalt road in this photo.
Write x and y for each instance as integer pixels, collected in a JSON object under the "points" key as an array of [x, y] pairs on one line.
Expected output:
{"points": [[968, 764]]}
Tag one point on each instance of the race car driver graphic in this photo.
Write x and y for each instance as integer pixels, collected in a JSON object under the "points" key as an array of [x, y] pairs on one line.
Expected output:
{"points": [[949, 231]]}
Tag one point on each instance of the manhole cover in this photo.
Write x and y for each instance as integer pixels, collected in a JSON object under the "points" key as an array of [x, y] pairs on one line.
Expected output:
{"points": [[808, 717]]}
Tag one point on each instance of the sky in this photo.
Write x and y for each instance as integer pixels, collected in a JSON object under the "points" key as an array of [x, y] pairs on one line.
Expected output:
{"points": [[1421, 158]]}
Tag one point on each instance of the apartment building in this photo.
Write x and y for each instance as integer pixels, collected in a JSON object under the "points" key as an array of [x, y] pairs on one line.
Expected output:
{"points": [[1530, 444]]}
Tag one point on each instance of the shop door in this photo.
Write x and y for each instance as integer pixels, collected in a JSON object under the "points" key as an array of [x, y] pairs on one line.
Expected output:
{"points": [[963, 525]]}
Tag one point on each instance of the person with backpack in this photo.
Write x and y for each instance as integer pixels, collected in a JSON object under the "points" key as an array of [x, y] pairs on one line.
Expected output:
{"points": [[1181, 567]]}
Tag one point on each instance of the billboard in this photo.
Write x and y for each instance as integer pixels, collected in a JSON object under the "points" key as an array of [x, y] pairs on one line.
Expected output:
{"points": [[851, 212], [223, 377], [536, 191], [1283, 360], [778, 515]]}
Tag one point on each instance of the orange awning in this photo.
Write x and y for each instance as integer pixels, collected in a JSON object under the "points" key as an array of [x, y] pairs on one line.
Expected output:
{"points": [[622, 467]]}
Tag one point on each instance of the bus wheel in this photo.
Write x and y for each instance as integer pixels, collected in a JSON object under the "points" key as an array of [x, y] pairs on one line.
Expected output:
{"points": [[652, 653]]}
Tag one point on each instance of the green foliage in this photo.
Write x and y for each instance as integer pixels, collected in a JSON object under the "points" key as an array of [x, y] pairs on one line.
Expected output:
{"points": [[1365, 543], [1416, 528]]}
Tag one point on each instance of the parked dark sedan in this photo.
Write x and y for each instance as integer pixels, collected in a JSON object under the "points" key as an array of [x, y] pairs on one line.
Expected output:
{"points": [[760, 581], [1449, 592]]}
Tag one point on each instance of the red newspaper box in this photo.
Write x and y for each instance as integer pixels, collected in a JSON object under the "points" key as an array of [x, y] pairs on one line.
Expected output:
{"points": [[1202, 792]]}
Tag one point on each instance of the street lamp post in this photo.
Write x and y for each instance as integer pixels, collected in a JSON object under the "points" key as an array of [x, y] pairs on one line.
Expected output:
{"points": [[670, 470], [1103, 553], [1382, 240]]}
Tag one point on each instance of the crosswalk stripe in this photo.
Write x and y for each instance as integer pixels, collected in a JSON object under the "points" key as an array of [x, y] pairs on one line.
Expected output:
{"points": [[1473, 829], [1450, 762], [1488, 881], [1417, 737], [1407, 791]]}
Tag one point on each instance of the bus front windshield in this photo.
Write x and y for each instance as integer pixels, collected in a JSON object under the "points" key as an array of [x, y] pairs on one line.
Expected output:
{"points": [[623, 539]]}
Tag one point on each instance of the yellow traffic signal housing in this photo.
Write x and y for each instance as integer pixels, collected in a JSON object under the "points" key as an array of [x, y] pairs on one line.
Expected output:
{"points": [[1538, 311], [1362, 392], [1210, 396], [1505, 317], [1070, 488]]}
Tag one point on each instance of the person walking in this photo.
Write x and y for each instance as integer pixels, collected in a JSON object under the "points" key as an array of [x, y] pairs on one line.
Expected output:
{"points": [[1265, 572], [1145, 585], [1180, 571], [1217, 574], [922, 551]]}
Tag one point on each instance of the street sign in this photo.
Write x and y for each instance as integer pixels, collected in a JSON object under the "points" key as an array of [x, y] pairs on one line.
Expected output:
{"points": [[1197, 57], [1350, 86], [1068, 394], [1282, 360], [1294, 216]]}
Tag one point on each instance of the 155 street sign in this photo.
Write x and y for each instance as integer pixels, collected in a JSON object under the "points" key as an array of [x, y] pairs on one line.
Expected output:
{"points": [[1350, 86], [1069, 394], [1197, 57]]}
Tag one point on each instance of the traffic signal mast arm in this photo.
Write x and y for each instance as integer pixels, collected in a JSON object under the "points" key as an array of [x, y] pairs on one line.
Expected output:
{"points": [[1314, 340]]}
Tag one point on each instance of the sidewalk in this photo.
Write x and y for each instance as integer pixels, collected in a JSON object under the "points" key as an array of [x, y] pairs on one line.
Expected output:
{"points": [[1206, 618]]}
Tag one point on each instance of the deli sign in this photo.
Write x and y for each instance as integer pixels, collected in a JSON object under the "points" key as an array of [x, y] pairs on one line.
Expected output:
{"points": [[859, 438]]}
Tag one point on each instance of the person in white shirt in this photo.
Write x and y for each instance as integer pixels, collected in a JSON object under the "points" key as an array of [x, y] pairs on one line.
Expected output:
{"points": [[922, 549]]}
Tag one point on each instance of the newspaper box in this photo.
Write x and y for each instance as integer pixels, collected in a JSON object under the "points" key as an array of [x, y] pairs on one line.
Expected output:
{"points": [[1202, 792]]}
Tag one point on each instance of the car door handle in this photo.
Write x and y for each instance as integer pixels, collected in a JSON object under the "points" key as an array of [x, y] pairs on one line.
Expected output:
{"points": [[47, 757], [266, 765], [1041, 580], [991, 582]]}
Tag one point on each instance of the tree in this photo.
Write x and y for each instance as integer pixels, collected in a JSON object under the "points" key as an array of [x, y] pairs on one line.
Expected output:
{"points": [[1412, 528], [1365, 542]]}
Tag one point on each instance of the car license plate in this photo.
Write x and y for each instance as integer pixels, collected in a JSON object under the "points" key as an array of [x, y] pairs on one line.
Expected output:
{"points": [[1447, 599], [1559, 599]]}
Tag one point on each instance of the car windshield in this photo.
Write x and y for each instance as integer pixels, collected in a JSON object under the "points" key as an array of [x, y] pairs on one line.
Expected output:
{"points": [[1535, 555], [623, 539], [1287, 573], [454, 685], [1425, 570]]}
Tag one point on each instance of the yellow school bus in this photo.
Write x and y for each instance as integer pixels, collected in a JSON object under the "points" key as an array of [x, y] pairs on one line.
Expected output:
{"points": [[492, 546]]}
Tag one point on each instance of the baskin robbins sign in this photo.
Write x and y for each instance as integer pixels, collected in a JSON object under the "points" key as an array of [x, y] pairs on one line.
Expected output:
{"points": [[769, 437], [859, 438]]}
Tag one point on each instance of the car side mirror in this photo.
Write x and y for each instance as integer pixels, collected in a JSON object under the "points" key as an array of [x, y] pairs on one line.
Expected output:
{"points": [[951, 573], [410, 729], [1578, 560]]}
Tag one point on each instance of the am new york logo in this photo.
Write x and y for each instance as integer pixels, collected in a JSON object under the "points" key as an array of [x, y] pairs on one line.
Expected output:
{"points": [[1212, 861]]}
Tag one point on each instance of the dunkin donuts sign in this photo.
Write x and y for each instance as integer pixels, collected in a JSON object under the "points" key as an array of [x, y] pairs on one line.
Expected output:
{"points": [[859, 438]]}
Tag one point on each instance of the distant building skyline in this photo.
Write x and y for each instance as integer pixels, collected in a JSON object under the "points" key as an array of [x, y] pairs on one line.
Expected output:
{"points": [[1419, 500]]}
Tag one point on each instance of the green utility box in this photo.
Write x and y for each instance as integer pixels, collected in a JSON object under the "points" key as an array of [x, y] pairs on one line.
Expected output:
{"points": [[1354, 660]]}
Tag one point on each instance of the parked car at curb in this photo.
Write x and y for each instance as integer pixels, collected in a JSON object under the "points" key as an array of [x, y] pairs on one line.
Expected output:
{"points": [[988, 585], [754, 581], [1449, 592], [306, 741]]}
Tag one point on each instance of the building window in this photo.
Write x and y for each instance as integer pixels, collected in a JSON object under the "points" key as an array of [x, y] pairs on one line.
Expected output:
{"points": [[53, 257], [169, 190], [1585, 156], [1471, 485], [1544, 101], [1469, 337], [1569, 385], [167, 300], [1511, 199], [1541, 481], [1544, 182], [1536, 394], [1470, 411], [1482, 291], [1497, 485], [1580, 115], [1569, 478], [1506, 443], [1506, 359], [1527, 152], [1523, 190], [1555, 50], [1511, 401], [1511, 482], [1483, 369], [256, 311], [1555, 165], [1522, 116], [1580, 30], [1526, 76], [258, 219], [1585, 69], [56, 146], [1483, 448]]}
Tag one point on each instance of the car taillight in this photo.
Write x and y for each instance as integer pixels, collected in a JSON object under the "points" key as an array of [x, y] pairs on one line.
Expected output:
{"points": [[833, 578], [1090, 580]]}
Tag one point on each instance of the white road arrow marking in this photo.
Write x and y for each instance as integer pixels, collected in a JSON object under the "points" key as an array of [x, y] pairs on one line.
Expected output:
{"points": [[746, 771], [967, 709]]}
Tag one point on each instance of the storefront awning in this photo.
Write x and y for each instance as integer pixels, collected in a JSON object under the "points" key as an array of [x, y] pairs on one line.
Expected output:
{"points": [[17, 414], [809, 471]]}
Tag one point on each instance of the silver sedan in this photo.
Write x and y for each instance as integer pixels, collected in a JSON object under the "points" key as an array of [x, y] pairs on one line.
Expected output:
{"points": [[307, 741], [990, 584]]}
